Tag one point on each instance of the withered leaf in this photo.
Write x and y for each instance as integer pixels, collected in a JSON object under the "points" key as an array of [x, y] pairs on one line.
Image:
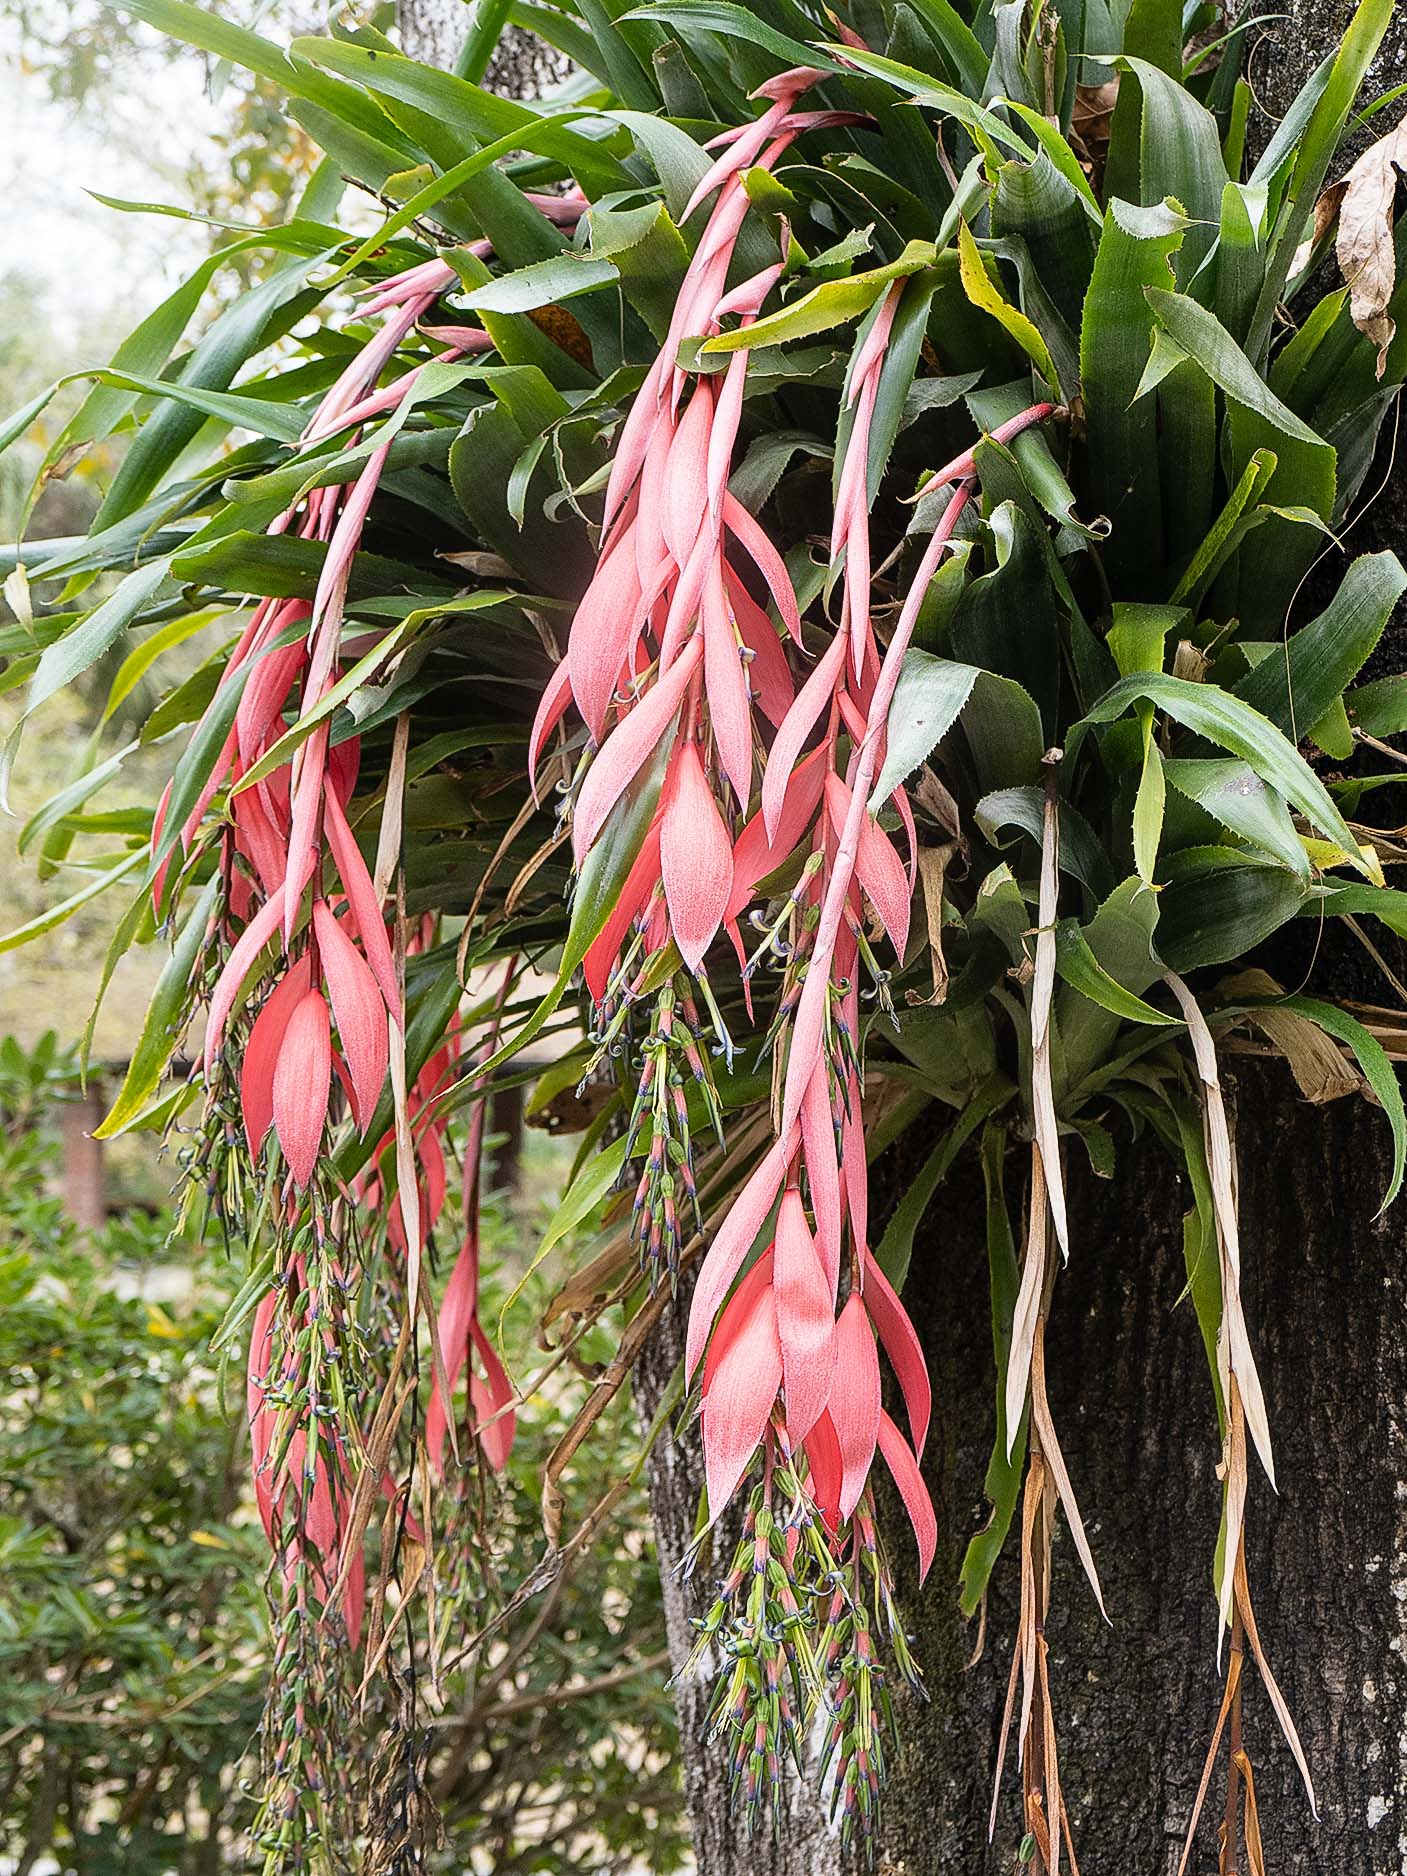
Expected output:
{"points": [[1363, 200]]}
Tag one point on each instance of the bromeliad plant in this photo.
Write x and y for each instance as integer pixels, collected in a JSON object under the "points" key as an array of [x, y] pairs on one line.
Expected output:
{"points": [[801, 468]]}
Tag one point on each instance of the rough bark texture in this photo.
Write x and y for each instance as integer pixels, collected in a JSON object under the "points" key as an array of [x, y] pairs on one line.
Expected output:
{"points": [[676, 1480], [1325, 1298], [432, 30], [522, 65], [1326, 1287]]}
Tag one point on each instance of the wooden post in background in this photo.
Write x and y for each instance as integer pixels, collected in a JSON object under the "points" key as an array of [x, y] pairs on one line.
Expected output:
{"points": [[83, 1194]]}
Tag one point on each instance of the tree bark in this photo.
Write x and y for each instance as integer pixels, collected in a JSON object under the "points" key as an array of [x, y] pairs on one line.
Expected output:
{"points": [[1130, 1395], [522, 66], [1325, 1282]]}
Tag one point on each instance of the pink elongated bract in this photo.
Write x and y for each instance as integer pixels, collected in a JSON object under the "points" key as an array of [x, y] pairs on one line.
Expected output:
{"points": [[360, 1010], [696, 857], [302, 1083], [854, 1404], [805, 1320]]}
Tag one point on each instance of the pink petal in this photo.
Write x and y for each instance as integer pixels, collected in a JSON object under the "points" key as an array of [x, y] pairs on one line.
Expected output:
{"points": [[741, 1394], [696, 857], [496, 1438], [735, 1238], [256, 1075], [769, 674], [823, 1172], [550, 712], [627, 749], [433, 1183], [636, 434], [725, 422], [912, 1490], [685, 506], [885, 881], [902, 1346], [813, 697], [805, 1319], [756, 1279], [640, 882], [302, 1083], [258, 839], [827, 1470], [303, 833], [361, 897], [727, 689], [757, 854], [605, 627], [246, 948], [753, 539], [359, 1009], [266, 692], [854, 1405]]}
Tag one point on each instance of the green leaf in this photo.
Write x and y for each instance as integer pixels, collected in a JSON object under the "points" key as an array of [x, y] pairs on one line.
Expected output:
{"points": [[928, 700], [1081, 969], [142, 657], [1148, 807], [1216, 908], [735, 22], [1378, 1072], [460, 107], [1221, 538], [543, 283], [105, 875], [1268, 569], [987, 127], [1380, 708], [1314, 147], [59, 806], [241, 410], [960, 45], [71, 655], [1004, 1469], [1126, 464], [1235, 726], [1081, 855], [161, 1030], [896, 1247], [584, 1194], [981, 287], [1298, 683], [246, 325], [1236, 796], [1179, 157], [832, 303], [280, 566]]}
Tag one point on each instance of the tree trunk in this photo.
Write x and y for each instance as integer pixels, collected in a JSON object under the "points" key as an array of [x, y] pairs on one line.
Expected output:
{"points": [[1130, 1395], [433, 30], [522, 66], [1325, 1282]]}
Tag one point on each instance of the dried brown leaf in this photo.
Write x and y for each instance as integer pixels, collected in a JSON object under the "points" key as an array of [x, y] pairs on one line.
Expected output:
{"points": [[1089, 125], [932, 869], [1233, 1343], [1272, 1686], [1321, 1069], [1365, 241], [1044, 1427], [1042, 997], [1326, 211]]}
